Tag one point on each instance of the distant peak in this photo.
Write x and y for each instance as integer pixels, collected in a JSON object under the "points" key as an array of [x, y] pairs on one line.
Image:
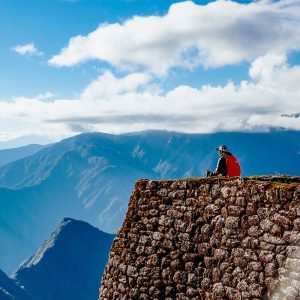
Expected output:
{"points": [[67, 220]]}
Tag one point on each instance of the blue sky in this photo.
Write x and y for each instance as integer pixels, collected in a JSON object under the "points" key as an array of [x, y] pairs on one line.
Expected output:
{"points": [[49, 24], [77, 66]]}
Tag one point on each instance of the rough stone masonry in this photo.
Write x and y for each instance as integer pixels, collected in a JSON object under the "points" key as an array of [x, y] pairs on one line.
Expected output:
{"points": [[208, 238]]}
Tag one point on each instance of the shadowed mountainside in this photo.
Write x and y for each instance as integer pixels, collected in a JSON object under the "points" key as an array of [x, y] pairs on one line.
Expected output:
{"points": [[9, 290], [68, 265]]}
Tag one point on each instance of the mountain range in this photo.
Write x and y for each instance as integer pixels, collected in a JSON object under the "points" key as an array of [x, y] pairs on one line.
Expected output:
{"points": [[90, 177], [20, 142], [10, 155], [68, 265]]}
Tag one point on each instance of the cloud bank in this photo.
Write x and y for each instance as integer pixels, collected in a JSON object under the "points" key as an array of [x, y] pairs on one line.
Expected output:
{"points": [[131, 103], [213, 35]]}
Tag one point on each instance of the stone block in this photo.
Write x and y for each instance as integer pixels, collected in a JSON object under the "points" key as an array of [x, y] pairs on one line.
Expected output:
{"points": [[158, 236], [251, 209], [235, 211], [220, 254], [268, 238], [232, 222], [193, 280], [255, 266], [271, 269], [253, 220], [266, 256], [131, 271], [293, 251], [282, 220], [255, 231], [218, 290]]}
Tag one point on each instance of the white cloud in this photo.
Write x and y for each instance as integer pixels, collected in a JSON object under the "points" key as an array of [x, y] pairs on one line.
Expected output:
{"points": [[107, 85], [45, 96], [28, 49], [116, 105], [263, 68], [190, 35]]}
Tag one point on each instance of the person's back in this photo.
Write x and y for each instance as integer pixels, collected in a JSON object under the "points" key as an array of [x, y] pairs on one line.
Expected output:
{"points": [[233, 166], [227, 165]]}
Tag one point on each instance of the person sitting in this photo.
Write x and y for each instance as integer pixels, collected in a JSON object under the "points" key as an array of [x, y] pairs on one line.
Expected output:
{"points": [[227, 165]]}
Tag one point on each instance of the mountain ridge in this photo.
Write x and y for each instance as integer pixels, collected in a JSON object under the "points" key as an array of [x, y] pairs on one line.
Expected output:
{"points": [[10, 155]]}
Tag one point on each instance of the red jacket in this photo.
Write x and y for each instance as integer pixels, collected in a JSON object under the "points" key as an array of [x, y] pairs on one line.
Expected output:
{"points": [[228, 165]]}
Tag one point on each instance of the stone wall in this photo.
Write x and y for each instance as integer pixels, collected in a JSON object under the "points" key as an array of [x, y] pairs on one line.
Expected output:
{"points": [[208, 238]]}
